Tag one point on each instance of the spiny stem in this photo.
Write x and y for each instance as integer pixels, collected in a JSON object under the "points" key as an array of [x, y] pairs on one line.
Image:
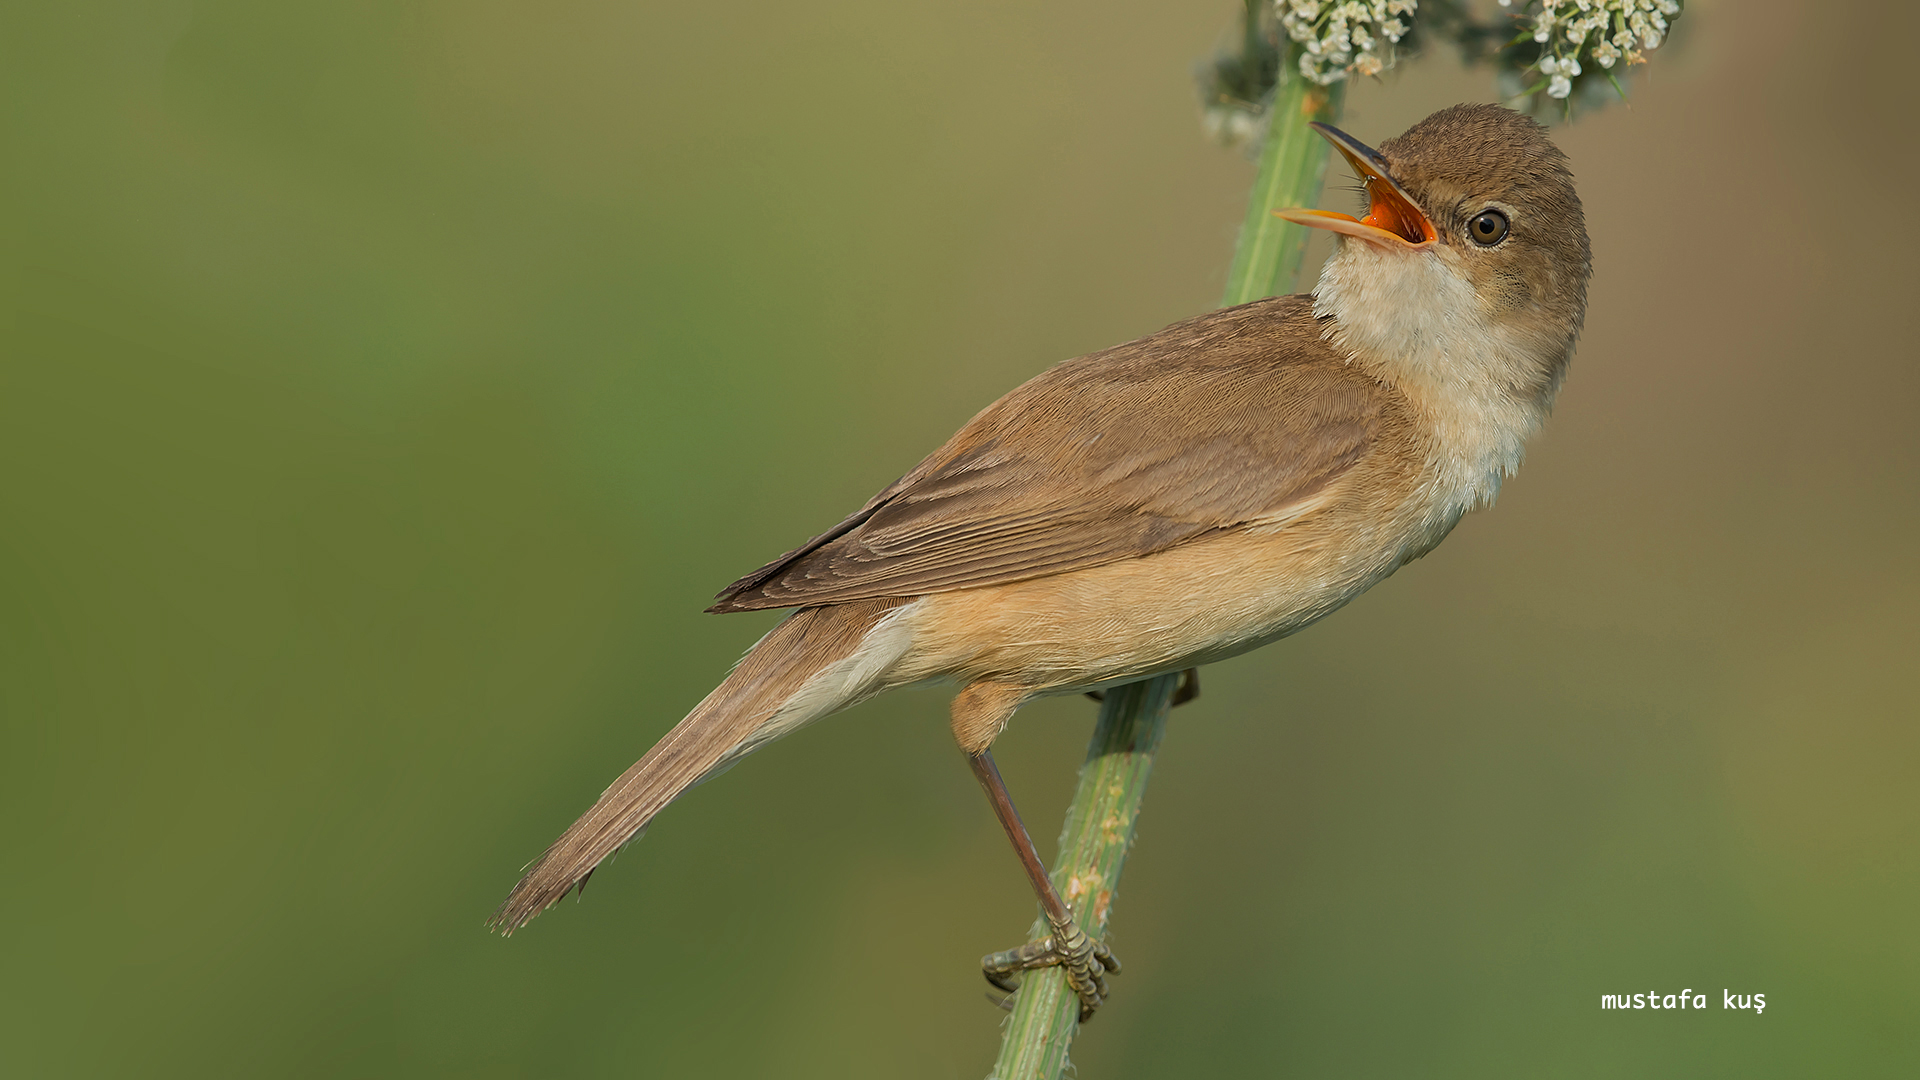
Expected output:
{"points": [[1113, 781]]}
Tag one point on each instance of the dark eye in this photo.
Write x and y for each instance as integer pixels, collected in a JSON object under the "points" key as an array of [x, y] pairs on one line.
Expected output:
{"points": [[1488, 228]]}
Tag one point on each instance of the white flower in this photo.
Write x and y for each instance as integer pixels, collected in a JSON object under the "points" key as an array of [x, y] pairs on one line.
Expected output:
{"points": [[1606, 32], [1343, 37]]}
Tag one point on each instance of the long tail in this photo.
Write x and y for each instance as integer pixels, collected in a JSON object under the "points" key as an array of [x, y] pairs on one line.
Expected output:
{"points": [[818, 661]]}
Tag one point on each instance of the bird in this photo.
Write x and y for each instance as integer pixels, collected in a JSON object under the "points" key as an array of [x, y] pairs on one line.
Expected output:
{"points": [[1171, 501]]}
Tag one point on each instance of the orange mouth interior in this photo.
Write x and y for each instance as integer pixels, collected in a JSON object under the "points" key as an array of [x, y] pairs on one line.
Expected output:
{"points": [[1388, 210], [1392, 218]]}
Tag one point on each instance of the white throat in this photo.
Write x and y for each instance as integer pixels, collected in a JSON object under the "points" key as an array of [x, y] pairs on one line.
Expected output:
{"points": [[1414, 320]]}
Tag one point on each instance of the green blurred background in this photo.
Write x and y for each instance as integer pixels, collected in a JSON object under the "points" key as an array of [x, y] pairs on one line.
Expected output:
{"points": [[385, 388]]}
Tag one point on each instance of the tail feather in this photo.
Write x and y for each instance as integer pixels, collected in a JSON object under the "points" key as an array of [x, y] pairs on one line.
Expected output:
{"points": [[781, 684]]}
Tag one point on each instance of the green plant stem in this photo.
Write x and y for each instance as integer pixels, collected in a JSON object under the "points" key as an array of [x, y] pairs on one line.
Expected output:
{"points": [[1113, 780], [1093, 846], [1293, 162]]}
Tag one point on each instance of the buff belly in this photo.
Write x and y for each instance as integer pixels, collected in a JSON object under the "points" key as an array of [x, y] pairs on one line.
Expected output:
{"points": [[1198, 603]]}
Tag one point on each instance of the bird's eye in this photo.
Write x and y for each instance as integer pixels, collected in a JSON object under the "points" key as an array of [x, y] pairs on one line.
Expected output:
{"points": [[1488, 228]]}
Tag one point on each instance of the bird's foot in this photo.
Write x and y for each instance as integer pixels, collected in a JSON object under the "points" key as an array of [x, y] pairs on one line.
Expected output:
{"points": [[1188, 689], [1087, 962]]}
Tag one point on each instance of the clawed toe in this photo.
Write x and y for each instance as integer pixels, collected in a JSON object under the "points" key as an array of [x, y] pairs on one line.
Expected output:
{"points": [[1087, 963], [1003, 968]]}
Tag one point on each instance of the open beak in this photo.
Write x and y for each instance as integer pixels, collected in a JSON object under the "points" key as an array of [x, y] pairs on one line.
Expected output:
{"points": [[1392, 218]]}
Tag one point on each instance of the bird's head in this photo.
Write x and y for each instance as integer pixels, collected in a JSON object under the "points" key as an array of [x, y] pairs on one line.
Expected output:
{"points": [[1471, 261]]}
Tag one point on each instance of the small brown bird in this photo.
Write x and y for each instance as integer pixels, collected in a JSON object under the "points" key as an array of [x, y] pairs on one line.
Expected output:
{"points": [[1171, 501]]}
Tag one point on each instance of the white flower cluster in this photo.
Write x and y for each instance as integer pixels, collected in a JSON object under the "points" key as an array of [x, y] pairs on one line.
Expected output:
{"points": [[1605, 31], [1342, 36]]}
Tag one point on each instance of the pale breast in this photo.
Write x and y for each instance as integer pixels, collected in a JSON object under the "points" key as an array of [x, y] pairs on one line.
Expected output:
{"points": [[1475, 380]]}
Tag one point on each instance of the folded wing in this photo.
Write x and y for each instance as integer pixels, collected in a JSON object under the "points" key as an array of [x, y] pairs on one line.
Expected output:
{"points": [[1221, 422]]}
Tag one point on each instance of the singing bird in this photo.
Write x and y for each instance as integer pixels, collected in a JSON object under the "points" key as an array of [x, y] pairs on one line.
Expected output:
{"points": [[1171, 501]]}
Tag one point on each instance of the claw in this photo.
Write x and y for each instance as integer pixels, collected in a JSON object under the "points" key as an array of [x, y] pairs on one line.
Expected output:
{"points": [[1086, 961]]}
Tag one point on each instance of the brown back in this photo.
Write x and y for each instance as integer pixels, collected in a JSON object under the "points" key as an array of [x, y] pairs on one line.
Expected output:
{"points": [[1212, 423]]}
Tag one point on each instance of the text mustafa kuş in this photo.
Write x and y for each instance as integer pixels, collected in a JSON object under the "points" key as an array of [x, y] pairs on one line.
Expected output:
{"points": [[1685, 999]]}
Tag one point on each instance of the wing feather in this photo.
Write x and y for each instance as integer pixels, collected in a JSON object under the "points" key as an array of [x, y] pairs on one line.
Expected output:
{"points": [[1215, 423]]}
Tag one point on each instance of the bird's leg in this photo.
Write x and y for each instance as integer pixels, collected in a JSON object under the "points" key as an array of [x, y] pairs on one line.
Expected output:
{"points": [[1188, 689], [1087, 961]]}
